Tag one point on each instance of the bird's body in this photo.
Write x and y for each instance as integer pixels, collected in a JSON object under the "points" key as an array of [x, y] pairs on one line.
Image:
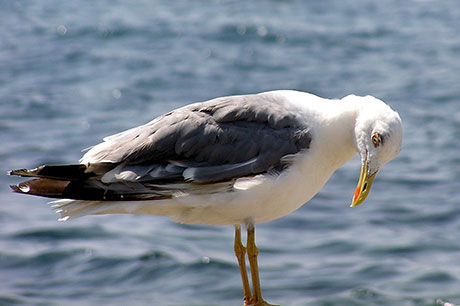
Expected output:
{"points": [[258, 197], [231, 160]]}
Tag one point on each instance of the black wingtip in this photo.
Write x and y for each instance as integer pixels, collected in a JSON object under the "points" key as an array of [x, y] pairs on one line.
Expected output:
{"points": [[57, 172], [16, 188], [22, 172], [41, 187]]}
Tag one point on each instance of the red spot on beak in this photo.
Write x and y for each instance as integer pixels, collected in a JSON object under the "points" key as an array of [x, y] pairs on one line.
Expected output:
{"points": [[357, 192]]}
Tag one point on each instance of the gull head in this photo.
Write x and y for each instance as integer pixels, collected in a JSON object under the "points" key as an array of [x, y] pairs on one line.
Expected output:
{"points": [[378, 139]]}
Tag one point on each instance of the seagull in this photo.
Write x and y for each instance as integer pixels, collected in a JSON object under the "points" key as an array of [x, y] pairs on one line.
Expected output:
{"points": [[234, 160]]}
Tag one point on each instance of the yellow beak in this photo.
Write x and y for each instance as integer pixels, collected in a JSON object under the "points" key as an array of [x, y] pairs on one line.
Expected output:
{"points": [[364, 185]]}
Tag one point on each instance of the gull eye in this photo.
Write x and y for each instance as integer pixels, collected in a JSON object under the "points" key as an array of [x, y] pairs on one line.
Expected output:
{"points": [[376, 139]]}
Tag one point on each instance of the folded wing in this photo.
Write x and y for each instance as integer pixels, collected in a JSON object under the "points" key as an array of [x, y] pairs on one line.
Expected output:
{"points": [[210, 143]]}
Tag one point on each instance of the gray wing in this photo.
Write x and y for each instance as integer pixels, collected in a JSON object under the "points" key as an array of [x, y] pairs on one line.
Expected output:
{"points": [[212, 141], [200, 148], [217, 140]]}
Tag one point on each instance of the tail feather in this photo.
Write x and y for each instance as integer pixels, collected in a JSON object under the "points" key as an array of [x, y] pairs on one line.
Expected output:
{"points": [[72, 209]]}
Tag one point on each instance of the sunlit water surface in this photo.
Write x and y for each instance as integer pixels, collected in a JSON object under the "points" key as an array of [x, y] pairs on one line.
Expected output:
{"points": [[72, 72]]}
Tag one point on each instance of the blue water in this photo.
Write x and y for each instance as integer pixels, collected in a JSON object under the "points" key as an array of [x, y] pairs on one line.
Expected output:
{"points": [[72, 72]]}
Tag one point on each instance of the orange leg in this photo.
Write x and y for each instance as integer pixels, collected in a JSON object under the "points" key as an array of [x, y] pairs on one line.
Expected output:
{"points": [[240, 252], [257, 299]]}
